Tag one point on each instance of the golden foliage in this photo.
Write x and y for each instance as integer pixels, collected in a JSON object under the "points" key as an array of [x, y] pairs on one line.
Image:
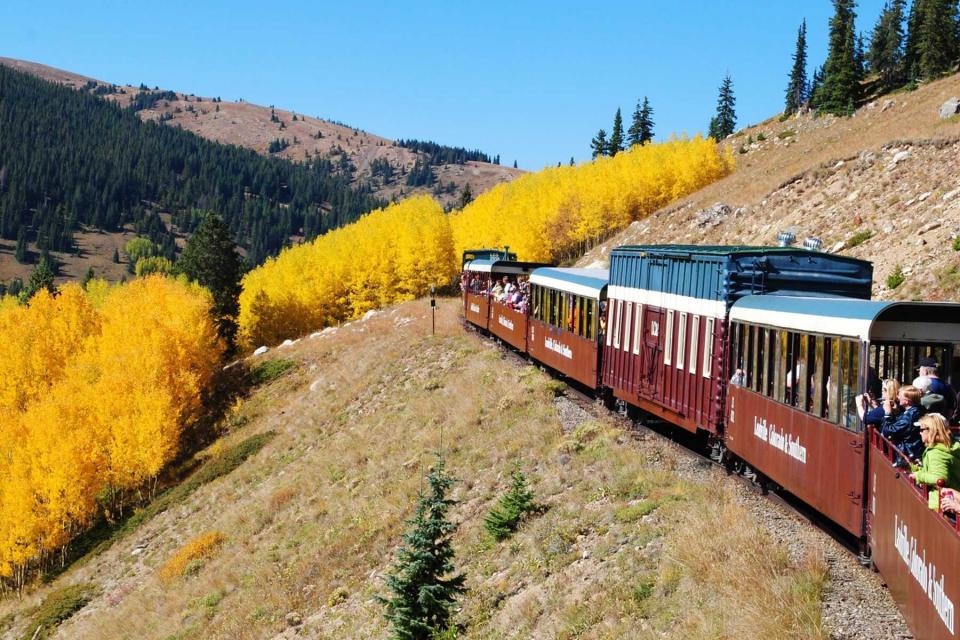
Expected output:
{"points": [[93, 399], [389, 255], [559, 212], [192, 555], [394, 254]]}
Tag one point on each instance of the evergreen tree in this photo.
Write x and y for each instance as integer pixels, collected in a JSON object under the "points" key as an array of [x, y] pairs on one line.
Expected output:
{"points": [[15, 287], [41, 278], [422, 596], [886, 45], [840, 89], [725, 122], [815, 83], [88, 276], [616, 137], [514, 164], [911, 49], [797, 88], [21, 251], [599, 145], [506, 517], [646, 121], [116, 256], [860, 57], [634, 132], [466, 196], [211, 259], [937, 47]]}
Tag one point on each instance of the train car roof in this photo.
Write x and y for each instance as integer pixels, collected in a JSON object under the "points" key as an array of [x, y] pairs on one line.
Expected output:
{"points": [[581, 282], [488, 265], [682, 250], [874, 320]]}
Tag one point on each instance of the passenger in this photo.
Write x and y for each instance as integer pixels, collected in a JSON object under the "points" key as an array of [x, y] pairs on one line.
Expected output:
{"points": [[949, 501], [508, 287], [940, 461], [930, 368], [902, 430], [871, 411], [739, 378]]}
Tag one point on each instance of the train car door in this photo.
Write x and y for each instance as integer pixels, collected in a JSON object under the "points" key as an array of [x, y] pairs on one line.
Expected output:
{"points": [[651, 358]]}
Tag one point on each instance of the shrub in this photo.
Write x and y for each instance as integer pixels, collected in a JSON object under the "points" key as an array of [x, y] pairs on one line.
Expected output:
{"points": [[512, 508], [896, 278], [786, 133], [956, 243], [269, 371], [859, 238], [192, 556], [58, 606], [761, 137]]}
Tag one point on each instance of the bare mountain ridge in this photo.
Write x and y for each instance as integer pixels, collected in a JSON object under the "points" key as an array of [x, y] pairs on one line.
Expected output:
{"points": [[883, 185], [255, 126]]}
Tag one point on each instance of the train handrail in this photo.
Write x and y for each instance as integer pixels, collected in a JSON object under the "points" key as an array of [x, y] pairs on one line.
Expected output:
{"points": [[897, 458]]}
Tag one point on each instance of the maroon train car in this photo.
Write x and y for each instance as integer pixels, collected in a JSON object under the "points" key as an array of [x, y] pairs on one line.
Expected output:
{"points": [[797, 366], [565, 322], [666, 342], [482, 268]]}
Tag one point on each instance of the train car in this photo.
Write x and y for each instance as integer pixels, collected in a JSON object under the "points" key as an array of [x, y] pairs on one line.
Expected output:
{"points": [[666, 342], [804, 361], [565, 321], [481, 269]]}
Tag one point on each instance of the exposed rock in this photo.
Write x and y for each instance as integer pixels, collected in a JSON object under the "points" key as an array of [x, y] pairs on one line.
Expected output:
{"points": [[713, 216], [288, 343], [950, 108], [259, 351], [294, 619], [887, 104], [898, 157], [930, 226], [837, 248], [950, 195]]}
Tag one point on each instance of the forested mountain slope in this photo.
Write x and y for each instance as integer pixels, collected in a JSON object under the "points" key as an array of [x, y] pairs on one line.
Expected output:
{"points": [[883, 185]]}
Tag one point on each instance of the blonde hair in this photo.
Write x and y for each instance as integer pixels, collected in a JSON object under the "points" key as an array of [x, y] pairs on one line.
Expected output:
{"points": [[891, 388], [936, 424], [911, 393]]}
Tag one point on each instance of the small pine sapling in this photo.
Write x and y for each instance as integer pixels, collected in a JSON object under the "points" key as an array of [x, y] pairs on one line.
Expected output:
{"points": [[505, 518]]}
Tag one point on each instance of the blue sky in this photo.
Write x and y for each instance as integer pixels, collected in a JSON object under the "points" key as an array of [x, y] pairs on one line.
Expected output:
{"points": [[531, 81]]}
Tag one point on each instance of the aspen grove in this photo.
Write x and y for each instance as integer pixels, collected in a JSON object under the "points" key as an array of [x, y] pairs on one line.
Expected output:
{"points": [[96, 389], [396, 253]]}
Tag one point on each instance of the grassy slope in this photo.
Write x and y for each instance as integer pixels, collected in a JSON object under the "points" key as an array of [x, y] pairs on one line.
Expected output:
{"points": [[638, 540]]}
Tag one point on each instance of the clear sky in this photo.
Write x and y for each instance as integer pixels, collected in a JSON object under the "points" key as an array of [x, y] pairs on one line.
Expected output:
{"points": [[531, 81]]}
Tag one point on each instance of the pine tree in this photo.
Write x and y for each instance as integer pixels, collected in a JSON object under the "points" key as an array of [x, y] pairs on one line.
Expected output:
{"points": [[911, 48], [725, 122], [466, 196], [116, 256], [813, 91], [937, 47], [88, 276], [616, 137], [886, 45], [422, 589], [21, 251], [41, 278], [634, 132], [510, 511], [860, 57], [210, 258], [599, 145], [840, 89], [797, 88], [646, 121]]}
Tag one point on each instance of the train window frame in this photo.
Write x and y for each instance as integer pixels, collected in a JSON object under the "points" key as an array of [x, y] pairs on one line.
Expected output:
{"points": [[616, 324], [708, 347], [682, 341], [833, 382], [611, 304], [627, 325], [694, 340], [668, 339], [781, 337], [637, 328]]}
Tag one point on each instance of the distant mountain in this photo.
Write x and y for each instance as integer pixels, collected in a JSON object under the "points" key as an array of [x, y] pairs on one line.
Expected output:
{"points": [[296, 136]]}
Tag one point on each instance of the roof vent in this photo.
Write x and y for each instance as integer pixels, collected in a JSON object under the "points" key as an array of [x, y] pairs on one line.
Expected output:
{"points": [[786, 238], [812, 243]]}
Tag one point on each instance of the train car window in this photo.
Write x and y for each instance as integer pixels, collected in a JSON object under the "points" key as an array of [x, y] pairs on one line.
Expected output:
{"points": [[780, 364], [638, 329], [627, 326], [801, 384], [591, 319], [757, 363], [850, 383], [615, 324], [582, 304], [766, 370], [833, 382], [736, 347], [682, 341], [708, 349], [694, 342], [818, 381], [668, 339], [749, 348]]}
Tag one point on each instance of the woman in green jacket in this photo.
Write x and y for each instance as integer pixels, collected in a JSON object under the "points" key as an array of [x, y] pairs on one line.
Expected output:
{"points": [[941, 458]]}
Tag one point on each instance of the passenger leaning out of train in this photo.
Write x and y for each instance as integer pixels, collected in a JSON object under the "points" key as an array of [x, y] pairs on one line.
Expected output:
{"points": [[871, 410], [940, 459], [902, 429]]}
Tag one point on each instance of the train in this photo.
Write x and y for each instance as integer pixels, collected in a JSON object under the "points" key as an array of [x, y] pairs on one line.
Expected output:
{"points": [[760, 353]]}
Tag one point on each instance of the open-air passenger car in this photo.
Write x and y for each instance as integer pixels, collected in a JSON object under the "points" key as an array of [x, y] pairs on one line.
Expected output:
{"points": [[481, 269]]}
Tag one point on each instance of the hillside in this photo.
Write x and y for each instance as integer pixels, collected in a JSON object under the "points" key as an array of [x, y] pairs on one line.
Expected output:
{"points": [[252, 126], [883, 185], [638, 539]]}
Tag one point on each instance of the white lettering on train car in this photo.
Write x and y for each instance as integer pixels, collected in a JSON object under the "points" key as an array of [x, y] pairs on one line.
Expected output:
{"points": [[559, 347], [505, 322], [923, 572], [779, 439], [474, 307]]}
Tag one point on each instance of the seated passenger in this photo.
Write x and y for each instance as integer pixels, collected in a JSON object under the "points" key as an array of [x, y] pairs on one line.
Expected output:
{"points": [[903, 430], [871, 411], [497, 291], [940, 461]]}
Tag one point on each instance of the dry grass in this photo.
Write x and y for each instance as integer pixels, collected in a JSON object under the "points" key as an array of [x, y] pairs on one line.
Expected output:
{"points": [[192, 556], [315, 517]]}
